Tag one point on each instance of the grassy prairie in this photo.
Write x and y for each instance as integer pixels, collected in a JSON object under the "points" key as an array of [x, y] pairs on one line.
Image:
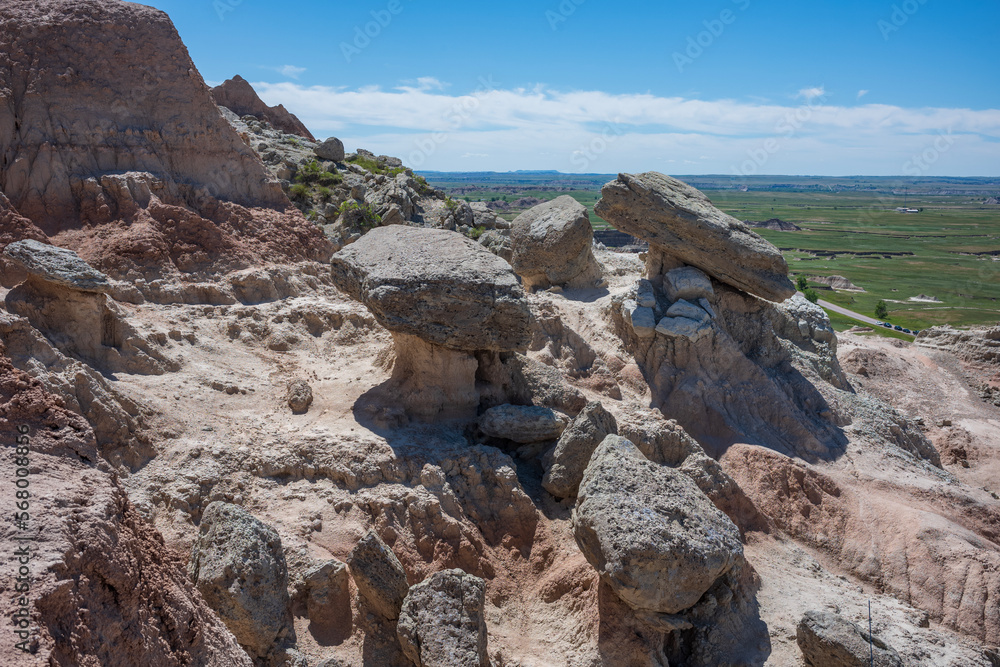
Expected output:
{"points": [[950, 250], [941, 252]]}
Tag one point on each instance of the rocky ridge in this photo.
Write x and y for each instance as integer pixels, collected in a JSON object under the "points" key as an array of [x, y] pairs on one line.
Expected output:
{"points": [[535, 519]]}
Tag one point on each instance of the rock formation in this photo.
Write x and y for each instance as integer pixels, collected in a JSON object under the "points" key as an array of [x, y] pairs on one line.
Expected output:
{"points": [[379, 576], [649, 531], [837, 282], [239, 567], [104, 587], [239, 97], [328, 597], [441, 623], [681, 223], [569, 460], [828, 640], [551, 245], [522, 424], [67, 300], [444, 298], [979, 345], [94, 155], [712, 359]]}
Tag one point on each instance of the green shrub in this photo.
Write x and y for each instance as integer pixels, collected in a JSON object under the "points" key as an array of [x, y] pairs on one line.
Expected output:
{"points": [[369, 218], [324, 194], [367, 163], [802, 283], [330, 178], [298, 191], [475, 232], [450, 204], [811, 295], [309, 172], [882, 310]]}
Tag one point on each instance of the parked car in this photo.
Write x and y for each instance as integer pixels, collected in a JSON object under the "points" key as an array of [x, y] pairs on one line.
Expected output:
{"points": [[879, 324], [887, 325], [907, 331], [916, 333], [898, 328]]}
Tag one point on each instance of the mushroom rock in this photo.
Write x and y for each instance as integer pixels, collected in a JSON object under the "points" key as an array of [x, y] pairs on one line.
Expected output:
{"points": [[445, 299], [67, 300], [680, 223]]}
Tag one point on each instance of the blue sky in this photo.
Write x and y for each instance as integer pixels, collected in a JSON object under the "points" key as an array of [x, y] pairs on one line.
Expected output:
{"points": [[908, 87]]}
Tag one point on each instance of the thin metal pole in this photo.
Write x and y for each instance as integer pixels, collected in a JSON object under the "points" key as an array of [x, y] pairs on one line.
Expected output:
{"points": [[871, 649]]}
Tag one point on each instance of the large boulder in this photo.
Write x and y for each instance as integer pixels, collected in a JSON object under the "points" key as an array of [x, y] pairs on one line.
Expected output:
{"points": [[238, 96], [379, 576], [442, 621], [682, 222], [437, 285], [575, 447], [331, 149], [238, 565], [649, 531], [829, 640], [552, 245]]}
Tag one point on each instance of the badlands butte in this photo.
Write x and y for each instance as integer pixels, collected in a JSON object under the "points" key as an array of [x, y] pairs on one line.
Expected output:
{"points": [[283, 409]]}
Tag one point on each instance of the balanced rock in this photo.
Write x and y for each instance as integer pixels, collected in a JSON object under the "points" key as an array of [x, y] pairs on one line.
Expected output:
{"points": [[379, 575], [238, 565], [442, 621], [574, 449], [829, 640], [552, 245], [68, 300], [57, 266], [444, 298], [437, 285], [649, 531], [522, 423], [331, 149], [238, 96], [681, 221]]}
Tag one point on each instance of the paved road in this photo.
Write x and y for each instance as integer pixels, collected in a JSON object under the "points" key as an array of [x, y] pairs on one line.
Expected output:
{"points": [[850, 313]]}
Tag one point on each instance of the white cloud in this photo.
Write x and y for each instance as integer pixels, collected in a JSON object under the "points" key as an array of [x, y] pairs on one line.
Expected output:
{"points": [[291, 71], [812, 93], [542, 128], [423, 84], [862, 93]]}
